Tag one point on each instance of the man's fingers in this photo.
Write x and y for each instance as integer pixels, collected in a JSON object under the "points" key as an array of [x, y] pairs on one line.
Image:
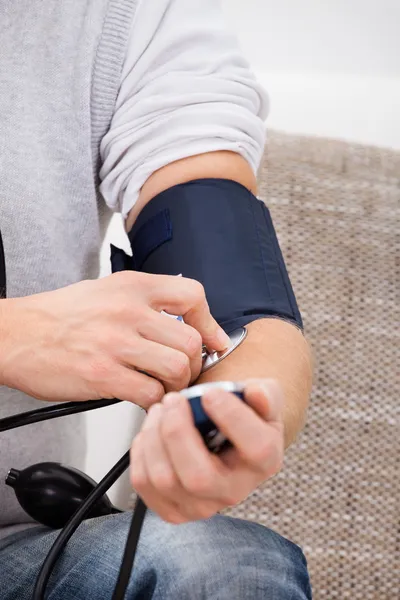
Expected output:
{"points": [[266, 398], [156, 481], [214, 337], [193, 464], [159, 484], [186, 297], [158, 465], [174, 334], [130, 385], [168, 365], [140, 480], [252, 436]]}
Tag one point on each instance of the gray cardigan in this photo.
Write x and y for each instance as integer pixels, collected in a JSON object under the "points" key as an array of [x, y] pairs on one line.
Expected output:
{"points": [[60, 68]]}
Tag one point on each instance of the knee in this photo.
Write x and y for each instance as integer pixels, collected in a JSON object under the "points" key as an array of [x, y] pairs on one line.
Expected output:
{"points": [[281, 569], [233, 559], [90, 563], [220, 558]]}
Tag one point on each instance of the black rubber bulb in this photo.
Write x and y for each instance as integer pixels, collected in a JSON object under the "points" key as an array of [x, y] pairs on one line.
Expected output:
{"points": [[50, 493]]}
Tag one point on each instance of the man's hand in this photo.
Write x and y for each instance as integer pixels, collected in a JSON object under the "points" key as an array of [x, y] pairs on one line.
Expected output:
{"points": [[175, 474], [107, 339]]}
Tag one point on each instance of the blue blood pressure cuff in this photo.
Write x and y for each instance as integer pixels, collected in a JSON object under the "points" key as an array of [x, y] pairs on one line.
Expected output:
{"points": [[219, 233]]}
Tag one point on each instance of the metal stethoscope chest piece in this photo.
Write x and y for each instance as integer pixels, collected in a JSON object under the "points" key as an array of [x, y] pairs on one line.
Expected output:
{"points": [[210, 360]]}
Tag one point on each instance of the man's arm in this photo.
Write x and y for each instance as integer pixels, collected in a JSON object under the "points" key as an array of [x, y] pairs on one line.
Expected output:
{"points": [[171, 469], [274, 348], [188, 108]]}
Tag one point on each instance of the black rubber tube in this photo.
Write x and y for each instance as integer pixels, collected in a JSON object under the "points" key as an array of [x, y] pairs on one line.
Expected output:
{"points": [[132, 541], [73, 524], [53, 412]]}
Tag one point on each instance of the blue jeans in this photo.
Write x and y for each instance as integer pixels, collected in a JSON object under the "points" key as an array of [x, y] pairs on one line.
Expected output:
{"points": [[220, 558]]}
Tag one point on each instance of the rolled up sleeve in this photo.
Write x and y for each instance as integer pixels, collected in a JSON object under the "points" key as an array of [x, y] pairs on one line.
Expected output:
{"points": [[186, 89]]}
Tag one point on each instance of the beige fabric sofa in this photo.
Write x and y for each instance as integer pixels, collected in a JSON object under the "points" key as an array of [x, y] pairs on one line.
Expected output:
{"points": [[336, 210]]}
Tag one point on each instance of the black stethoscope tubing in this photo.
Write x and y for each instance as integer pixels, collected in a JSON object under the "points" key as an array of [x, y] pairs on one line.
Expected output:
{"points": [[69, 408]]}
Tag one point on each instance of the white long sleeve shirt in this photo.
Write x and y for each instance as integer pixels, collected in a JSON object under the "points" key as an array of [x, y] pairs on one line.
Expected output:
{"points": [[186, 89]]}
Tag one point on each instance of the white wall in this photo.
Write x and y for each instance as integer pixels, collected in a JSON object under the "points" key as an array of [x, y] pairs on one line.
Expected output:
{"points": [[335, 37], [332, 67]]}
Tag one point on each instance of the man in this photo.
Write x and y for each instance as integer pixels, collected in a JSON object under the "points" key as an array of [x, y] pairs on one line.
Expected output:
{"points": [[104, 105]]}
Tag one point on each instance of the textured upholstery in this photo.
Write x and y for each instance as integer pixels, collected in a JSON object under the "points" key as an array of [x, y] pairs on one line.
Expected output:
{"points": [[336, 208]]}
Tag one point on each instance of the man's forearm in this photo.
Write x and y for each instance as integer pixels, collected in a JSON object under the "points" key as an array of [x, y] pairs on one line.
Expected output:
{"points": [[273, 349]]}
